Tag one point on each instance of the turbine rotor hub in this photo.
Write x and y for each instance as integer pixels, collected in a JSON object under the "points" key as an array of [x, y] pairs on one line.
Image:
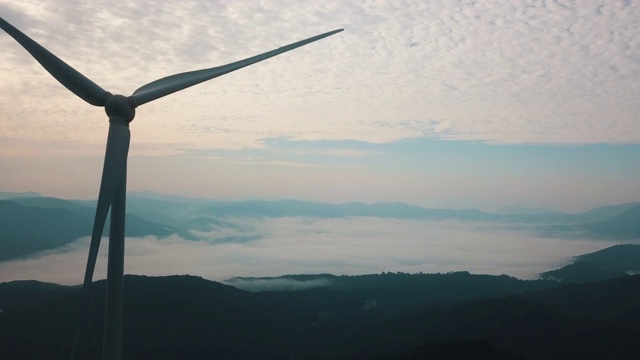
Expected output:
{"points": [[119, 109]]}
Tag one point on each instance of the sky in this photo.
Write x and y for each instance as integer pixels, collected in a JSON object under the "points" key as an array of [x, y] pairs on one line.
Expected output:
{"points": [[456, 104]]}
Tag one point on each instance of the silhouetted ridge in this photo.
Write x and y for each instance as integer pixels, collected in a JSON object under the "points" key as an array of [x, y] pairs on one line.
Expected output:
{"points": [[15, 293], [580, 272], [385, 316], [614, 261]]}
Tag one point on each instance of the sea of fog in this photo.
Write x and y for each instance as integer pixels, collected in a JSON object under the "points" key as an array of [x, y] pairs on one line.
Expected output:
{"points": [[301, 245]]}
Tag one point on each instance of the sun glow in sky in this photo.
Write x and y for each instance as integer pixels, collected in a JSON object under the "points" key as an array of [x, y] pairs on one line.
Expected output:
{"points": [[441, 104]]}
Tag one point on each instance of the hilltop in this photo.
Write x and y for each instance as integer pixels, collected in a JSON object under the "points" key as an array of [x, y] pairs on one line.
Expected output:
{"points": [[614, 261]]}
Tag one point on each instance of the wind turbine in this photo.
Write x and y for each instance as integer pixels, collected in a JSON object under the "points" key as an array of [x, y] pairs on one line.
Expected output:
{"points": [[121, 111]]}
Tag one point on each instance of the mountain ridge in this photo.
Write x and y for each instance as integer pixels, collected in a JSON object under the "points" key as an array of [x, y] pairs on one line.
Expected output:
{"points": [[608, 263], [149, 215], [209, 318]]}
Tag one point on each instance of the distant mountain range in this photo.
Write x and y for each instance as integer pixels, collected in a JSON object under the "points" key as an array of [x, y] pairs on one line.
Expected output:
{"points": [[33, 223], [384, 316], [150, 204], [28, 229], [608, 263], [524, 210], [11, 195], [625, 225]]}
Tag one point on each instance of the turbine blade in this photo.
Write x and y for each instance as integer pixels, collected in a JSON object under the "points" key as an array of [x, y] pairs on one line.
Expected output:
{"points": [[114, 175], [173, 83], [79, 84]]}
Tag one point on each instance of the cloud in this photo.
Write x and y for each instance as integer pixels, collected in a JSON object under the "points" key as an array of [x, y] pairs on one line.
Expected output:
{"points": [[279, 284], [501, 73], [348, 246], [518, 72]]}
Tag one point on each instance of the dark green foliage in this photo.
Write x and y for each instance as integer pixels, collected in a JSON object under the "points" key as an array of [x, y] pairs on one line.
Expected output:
{"points": [[462, 350], [609, 263], [623, 258], [580, 272], [15, 293], [612, 300], [191, 318]]}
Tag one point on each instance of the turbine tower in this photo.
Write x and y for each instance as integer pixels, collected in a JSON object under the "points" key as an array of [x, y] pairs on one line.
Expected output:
{"points": [[121, 111]]}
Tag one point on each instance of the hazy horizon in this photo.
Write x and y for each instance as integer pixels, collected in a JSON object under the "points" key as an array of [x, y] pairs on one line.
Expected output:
{"points": [[152, 194]]}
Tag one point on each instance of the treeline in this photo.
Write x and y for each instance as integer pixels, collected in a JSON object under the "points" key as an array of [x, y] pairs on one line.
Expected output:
{"points": [[384, 316]]}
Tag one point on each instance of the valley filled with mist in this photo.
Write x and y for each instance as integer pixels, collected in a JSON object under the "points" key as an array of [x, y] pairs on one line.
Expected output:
{"points": [[47, 238]]}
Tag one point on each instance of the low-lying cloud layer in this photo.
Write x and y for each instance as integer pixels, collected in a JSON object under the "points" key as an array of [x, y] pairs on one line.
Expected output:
{"points": [[277, 284], [297, 245]]}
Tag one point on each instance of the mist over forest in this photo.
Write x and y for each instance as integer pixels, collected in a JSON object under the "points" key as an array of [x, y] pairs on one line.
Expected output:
{"points": [[220, 240]]}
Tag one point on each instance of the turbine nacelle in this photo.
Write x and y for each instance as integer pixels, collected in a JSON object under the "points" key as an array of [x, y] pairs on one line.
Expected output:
{"points": [[120, 109]]}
